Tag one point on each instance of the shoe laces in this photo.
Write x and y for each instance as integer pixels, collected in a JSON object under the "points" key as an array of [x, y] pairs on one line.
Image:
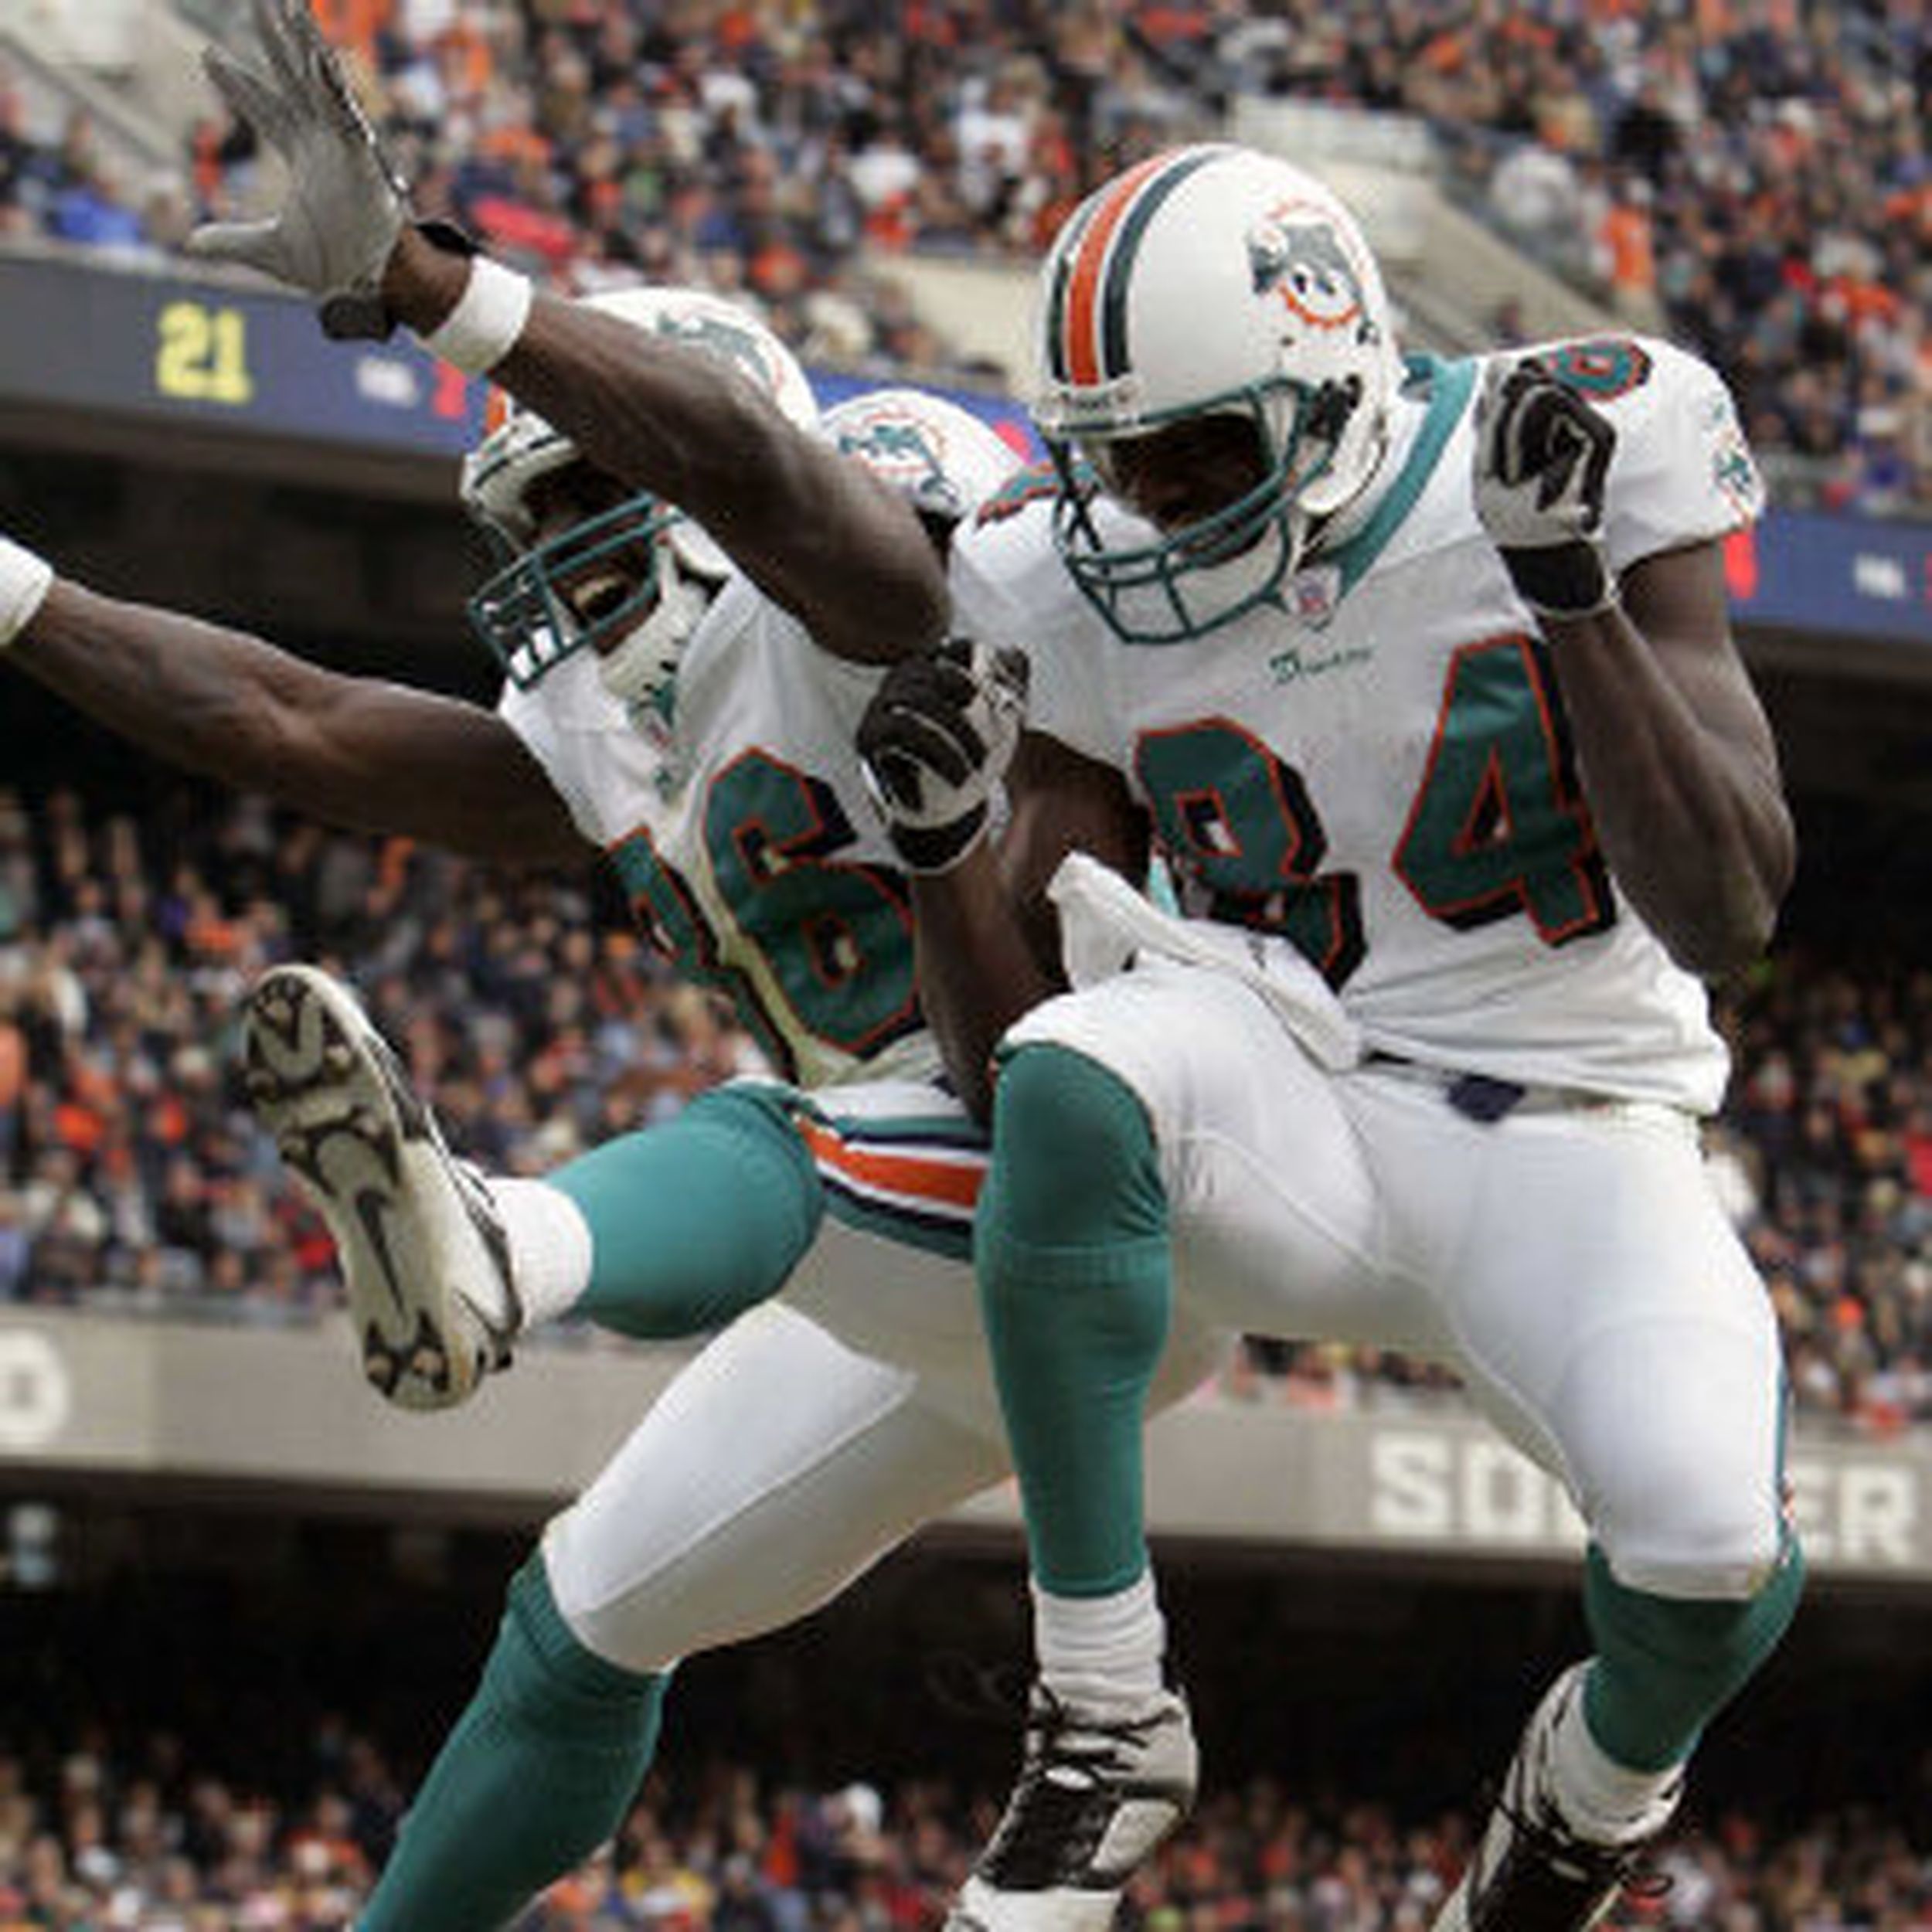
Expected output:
{"points": [[1070, 1782], [1541, 1831], [1059, 1735]]}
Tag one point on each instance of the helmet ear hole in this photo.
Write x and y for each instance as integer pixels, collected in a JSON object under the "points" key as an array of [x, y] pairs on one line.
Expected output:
{"points": [[1330, 409]]}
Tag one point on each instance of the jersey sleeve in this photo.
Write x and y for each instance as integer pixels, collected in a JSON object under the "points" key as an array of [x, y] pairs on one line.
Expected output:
{"points": [[535, 720], [1683, 472]]}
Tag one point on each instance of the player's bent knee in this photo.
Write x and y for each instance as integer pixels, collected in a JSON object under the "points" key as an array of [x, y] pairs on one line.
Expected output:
{"points": [[1725, 1563], [541, 1665], [760, 1123], [764, 1115], [1688, 1629], [1074, 1156]]}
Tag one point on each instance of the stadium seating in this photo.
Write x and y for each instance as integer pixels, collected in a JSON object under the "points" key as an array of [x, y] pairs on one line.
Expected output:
{"points": [[1746, 182]]}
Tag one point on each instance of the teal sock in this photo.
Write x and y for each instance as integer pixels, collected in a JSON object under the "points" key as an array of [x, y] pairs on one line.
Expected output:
{"points": [[694, 1221], [1071, 1249], [537, 1774], [1665, 1666]]}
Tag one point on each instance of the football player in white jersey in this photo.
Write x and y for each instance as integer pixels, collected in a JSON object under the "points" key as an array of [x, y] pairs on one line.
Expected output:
{"points": [[697, 730], [1420, 673]]}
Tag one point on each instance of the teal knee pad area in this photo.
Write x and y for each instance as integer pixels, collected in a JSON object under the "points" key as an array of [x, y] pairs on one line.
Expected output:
{"points": [[1073, 1154], [1070, 1247], [1666, 1666], [538, 1772], [542, 1677], [694, 1221]]}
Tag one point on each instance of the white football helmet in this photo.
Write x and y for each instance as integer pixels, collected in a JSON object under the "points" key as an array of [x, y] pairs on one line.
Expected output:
{"points": [[1210, 281], [651, 571], [943, 459]]}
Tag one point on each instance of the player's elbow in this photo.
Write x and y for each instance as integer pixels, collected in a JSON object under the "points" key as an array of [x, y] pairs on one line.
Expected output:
{"points": [[1763, 881], [1730, 928], [1716, 907], [1715, 952]]}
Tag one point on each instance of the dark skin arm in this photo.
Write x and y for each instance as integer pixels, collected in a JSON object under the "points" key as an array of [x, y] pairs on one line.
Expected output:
{"points": [[988, 939], [1677, 761], [350, 751], [818, 533]]}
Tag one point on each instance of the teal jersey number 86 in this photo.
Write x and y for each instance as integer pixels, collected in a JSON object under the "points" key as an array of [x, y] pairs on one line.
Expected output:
{"points": [[835, 936]]}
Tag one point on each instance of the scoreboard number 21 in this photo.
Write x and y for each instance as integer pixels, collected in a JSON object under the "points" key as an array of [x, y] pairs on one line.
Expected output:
{"points": [[201, 355]]}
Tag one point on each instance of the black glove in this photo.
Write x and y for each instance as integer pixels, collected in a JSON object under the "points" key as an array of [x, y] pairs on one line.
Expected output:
{"points": [[934, 743], [1543, 455]]}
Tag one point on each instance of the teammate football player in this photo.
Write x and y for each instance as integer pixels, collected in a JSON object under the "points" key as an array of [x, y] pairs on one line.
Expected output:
{"points": [[704, 740], [1422, 671]]}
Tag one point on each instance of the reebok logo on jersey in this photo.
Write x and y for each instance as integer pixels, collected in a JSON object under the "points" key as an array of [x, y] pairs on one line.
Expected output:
{"points": [[1288, 665]]}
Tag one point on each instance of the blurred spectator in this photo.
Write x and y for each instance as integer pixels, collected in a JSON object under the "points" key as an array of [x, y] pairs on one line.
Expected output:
{"points": [[131, 1175], [196, 1852], [129, 1169], [1755, 182]]}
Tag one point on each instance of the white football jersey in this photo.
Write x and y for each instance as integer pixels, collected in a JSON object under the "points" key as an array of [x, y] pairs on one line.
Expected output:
{"points": [[752, 857], [1380, 769]]}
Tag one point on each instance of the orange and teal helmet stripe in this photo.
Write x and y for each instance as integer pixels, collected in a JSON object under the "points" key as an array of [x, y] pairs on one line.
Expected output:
{"points": [[1086, 300]]}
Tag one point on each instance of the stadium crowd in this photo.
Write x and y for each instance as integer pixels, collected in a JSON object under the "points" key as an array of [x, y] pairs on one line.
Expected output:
{"points": [[92, 1840], [133, 1179], [1753, 180]]}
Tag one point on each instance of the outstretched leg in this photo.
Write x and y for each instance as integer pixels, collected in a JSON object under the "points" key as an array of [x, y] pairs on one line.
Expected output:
{"points": [[664, 1233]]}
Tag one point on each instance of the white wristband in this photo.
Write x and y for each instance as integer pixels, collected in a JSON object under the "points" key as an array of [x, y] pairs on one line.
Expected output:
{"points": [[25, 581], [482, 328]]}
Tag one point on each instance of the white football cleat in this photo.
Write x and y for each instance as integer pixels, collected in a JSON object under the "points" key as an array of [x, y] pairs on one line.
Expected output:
{"points": [[1096, 1795], [1530, 1871], [421, 1244]]}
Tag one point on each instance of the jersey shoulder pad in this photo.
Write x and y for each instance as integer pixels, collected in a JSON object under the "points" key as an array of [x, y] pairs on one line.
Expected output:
{"points": [[1604, 368], [1683, 470]]}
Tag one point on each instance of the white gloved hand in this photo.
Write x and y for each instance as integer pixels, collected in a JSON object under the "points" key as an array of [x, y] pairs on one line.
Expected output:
{"points": [[1543, 458], [934, 743], [344, 204], [25, 581]]}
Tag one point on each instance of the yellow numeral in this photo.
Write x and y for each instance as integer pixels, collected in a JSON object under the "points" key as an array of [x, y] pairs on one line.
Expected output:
{"points": [[203, 355]]}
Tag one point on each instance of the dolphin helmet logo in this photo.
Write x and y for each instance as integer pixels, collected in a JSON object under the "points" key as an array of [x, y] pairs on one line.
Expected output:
{"points": [[899, 449], [1297, 254], [725, 340]]}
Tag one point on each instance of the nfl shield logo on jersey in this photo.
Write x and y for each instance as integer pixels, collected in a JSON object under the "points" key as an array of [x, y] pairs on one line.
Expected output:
{"points": [[1312, 594]]}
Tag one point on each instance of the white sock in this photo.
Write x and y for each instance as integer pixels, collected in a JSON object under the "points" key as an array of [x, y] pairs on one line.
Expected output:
{"points": [[550, 1247], [1101, 1651], [1604, 1801]]}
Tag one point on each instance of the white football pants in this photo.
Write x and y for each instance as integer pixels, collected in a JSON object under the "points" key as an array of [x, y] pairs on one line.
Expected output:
{"points": [[1572, 1263], [781, 1463]]}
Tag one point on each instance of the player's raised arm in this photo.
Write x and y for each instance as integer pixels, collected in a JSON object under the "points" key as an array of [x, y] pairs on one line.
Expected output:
{"points": [[813, 530], [354, 752], [1677, 756]]}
